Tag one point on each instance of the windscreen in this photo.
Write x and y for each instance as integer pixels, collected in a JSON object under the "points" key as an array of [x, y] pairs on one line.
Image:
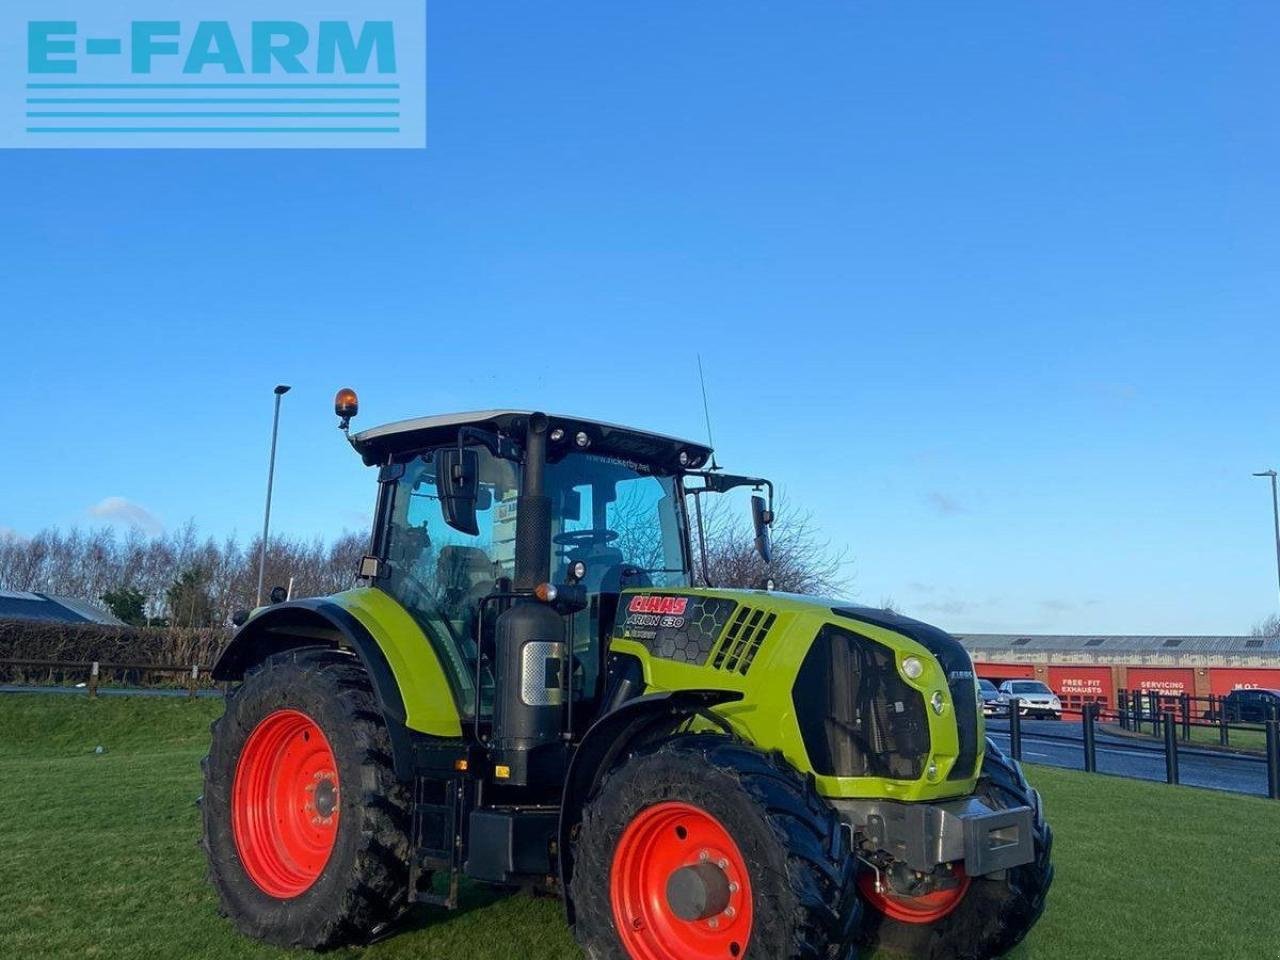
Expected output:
{"points": [[619, 519], [1029, 686]]}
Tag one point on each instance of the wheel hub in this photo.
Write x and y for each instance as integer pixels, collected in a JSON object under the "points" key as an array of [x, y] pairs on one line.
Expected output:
{"points": [[325, 798], [698, 892]]}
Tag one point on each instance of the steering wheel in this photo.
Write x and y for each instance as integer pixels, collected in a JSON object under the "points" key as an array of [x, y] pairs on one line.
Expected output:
{"points": [[584, 538]]}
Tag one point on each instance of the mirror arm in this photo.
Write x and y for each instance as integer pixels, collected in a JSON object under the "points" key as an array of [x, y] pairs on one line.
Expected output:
{"points": [[724, 482]]}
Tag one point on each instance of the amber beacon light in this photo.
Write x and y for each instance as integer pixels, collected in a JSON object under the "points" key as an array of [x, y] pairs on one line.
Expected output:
{"points": [[346, 405]]}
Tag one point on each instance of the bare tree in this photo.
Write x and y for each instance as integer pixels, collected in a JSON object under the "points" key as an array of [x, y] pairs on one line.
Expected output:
{"points": [[803, 561], [90, 564], [1268, 627]]}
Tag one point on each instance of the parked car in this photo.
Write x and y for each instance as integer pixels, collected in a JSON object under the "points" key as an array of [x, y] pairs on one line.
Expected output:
{"points": [[1248, 706], [1035, 699], [990, 695]]}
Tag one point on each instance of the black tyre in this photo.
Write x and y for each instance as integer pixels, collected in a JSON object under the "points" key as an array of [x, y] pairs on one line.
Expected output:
{"points": [[702, 847], [994, 914], [305, 823]]}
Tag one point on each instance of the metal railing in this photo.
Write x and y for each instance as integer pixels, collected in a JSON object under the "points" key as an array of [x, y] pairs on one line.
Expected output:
{"points": [[192, 676], [1171, 723], [1139, 707]]}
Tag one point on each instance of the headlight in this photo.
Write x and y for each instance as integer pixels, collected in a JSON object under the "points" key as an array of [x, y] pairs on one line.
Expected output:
{"points": [[938, 702], [913, 668]]}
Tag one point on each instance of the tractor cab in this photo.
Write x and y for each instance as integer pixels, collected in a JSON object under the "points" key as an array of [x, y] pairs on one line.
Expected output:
{"points": [[609, 516]]}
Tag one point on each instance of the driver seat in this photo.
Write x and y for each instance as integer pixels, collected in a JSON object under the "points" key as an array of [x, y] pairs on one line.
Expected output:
{"points": [[465, 576]]}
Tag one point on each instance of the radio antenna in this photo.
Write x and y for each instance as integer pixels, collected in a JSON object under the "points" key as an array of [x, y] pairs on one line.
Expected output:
{"points": [[706, 412]]}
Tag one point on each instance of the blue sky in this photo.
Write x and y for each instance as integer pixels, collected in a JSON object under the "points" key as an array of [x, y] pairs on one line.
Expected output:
{"points": [[989, 288]]}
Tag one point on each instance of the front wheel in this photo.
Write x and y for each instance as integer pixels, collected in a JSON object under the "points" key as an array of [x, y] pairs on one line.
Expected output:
{"points": [[305, 823], [971, 918], [705, 849]]}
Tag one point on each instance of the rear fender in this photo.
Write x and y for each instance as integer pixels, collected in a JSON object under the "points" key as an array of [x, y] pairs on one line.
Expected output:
{"points": [[313, 623], [608, 741]]}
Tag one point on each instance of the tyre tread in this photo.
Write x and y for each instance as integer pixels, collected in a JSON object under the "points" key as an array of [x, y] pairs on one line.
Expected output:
{"points": [[820, 868], [375, 891]]}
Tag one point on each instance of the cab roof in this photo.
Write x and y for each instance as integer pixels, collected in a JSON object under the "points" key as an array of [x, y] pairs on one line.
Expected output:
{"points": [[379, 444]]}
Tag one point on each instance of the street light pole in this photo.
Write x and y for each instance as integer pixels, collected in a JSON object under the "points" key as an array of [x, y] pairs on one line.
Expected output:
{"points": [[281, 390], [1275, 512]]}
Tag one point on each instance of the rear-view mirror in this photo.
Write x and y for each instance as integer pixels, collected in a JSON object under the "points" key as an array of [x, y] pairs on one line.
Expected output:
{"points": [[458, 485], [761, 518]]}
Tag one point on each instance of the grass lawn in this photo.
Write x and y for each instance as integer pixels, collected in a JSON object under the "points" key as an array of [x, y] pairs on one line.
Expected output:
{"points": [[98, 857], [1252, 741]]}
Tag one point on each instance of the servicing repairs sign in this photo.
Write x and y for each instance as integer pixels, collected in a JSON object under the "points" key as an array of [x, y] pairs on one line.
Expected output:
{"points": [[213, 73]]}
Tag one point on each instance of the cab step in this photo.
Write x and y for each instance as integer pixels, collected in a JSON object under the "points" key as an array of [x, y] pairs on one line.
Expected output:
{"points": [[440, 810]]}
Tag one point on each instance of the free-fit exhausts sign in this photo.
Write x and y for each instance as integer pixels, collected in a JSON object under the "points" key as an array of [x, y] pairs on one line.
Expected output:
{"points": [[213, 73]]}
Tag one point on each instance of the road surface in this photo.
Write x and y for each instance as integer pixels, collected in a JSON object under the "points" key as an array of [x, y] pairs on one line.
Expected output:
{"points": [[1061, 744]]}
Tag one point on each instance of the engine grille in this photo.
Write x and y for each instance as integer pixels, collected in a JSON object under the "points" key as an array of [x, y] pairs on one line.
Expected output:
{"points": [[743, 639], [957, 665], [857, 716]]}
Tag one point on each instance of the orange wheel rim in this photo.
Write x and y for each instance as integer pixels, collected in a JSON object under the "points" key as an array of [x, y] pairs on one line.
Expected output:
{"points": [[285, 803], [929, 908], [660, 841]]}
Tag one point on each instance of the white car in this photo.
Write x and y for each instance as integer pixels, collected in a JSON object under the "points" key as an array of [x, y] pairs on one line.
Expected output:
{"points": [[1034, 698]]}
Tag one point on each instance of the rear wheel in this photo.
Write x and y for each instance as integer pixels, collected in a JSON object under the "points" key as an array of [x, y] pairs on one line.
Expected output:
{"points": [[973, 918], [700, 848], [305, 823]]}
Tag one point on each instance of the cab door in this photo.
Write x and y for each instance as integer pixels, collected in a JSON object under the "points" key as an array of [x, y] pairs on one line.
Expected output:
{"points": [[443, 576]]}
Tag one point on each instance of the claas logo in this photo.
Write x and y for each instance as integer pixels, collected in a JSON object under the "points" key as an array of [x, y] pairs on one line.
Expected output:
{"points": [[645, 603]]}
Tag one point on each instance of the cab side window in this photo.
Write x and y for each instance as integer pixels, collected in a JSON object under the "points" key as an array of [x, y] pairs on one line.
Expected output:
{"points": [[440, 575]]}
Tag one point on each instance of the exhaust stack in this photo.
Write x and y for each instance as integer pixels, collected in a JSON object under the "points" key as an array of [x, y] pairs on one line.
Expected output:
{"points": [[532, 645]]}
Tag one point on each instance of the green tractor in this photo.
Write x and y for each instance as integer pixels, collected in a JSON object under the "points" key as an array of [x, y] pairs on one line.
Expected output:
{"points": [[531, 689]]}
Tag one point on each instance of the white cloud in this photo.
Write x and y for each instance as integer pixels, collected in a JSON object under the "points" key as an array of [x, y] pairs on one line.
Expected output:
{"points": [[951, 607], [1116, 393], [1057, 605], [945, 504], [358, 520], [120, 510]]}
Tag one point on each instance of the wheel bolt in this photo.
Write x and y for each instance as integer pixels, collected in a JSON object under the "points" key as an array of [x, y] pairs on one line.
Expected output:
{"points": [[713, 923], [704, 856], [730, 912], [722, 864], [733, 887]]}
